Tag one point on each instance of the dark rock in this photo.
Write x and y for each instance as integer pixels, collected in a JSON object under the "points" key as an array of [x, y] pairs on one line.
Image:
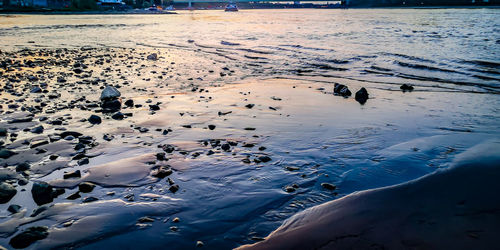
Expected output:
{"points": [[29, 236], [108, 137], [211, 127], [94, 119], [38, 211], [36, 90], [341, 90], [86, 187], [7, 191], [145, 219], [14, 208], [153, 57], [118, 116], [70, 133], [5, 153], [328, 186], [42, 193], [361, 96], [37, 130], [3, 132], [162, 172], [21, 120], [264, 158], [111, 105], [174, 188], [405, 87], [53, 157], [168, 148], [262, 148], [225, 147], [154, 107], [249, 106], [110, 93], [74, 174], [74, 196], [129, 103], [89, 199], [22, 167]]}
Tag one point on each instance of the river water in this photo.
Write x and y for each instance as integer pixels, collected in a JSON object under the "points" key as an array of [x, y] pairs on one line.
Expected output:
{"points": [[451, 56]]}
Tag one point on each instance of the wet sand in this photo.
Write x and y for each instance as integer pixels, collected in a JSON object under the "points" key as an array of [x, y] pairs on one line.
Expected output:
{"points": [[230, 159]]}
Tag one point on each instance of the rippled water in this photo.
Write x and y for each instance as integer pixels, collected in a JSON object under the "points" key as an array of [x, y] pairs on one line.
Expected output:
{"points": [[452, 56]]}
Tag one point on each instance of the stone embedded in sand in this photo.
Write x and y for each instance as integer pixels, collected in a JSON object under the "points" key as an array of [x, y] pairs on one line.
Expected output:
{"points": [[28, 237], [5, 153], [264, 158], [162, 172], [225, 147], [75, 174], [3, 132], [129, 103], [7, 191], [211, 127], [13, 208], [22, 167], [42, 193], [118, 116], [154, 107], [86, 187], [37, 130], [174, 188], [341, 90], [153, 57], [94, 119], [405, 87], [89, 199]]}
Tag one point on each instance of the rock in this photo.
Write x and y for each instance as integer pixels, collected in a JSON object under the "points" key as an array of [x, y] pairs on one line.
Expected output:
{"points": [[13, 208], [111, 105], [86, 187], [199, 243], [29, 236], [328, 186], [75, 174], [129, 103], [94, 119], [37, 130], [22, 167], [145, 219], [3, 132], [211, 127], [162, 172], [292, 168], [361, 96], [176, 220], [110, 93], [5, 153], [264, 158], [74, 196], [154, 107], [249, 106], [108, 137], [289, 189], [70, 133], [118, 116], [89, 199], [225, 147], [341, 90], [7, 191], [153, 57], [42, 193], [405, 87], [174, 188], [36, 90]]}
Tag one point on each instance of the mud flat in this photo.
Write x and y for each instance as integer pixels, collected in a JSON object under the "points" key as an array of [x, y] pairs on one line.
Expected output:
{"points": [[100, 145]]}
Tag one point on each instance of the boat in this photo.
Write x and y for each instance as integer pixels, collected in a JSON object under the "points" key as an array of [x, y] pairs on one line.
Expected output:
{"points": [[231, 7]]}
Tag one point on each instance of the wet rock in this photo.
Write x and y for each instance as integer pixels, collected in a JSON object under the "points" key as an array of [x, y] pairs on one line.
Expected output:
{"points": [[174, 188], [154, 107], [70, 133], [176, 220], [36, 90], [162, 172], [292, 168], [37, 130], [5, 153], [86, 187], [13, 208], [262, 148], [129, 103], [22, 167], [42, 193], [38, 211], [29, 236], [199, 243], [153, 57], [90, 199], [341, 90], [108, 137], [110, 93], [74, 174], [405, 87], [361, 96], [264, 158], [328, 186], [145, 219], [211, 127], [3, 132], [94, 119], [289, 189], [111, 105], [74, 196], [249, 106], [118, 116], [226, 147], [7, 191]]}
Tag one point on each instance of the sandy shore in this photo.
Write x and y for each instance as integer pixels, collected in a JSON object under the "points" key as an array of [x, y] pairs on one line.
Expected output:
{"points": [[99, 143]]}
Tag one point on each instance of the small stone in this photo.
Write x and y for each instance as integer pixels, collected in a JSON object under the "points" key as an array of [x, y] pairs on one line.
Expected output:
{"points": [[361, 96], [5, 153], [145, 219], [174, 188], [211, 127], [328, 186], [292, 168], [264, 158], [154, 107], [89, 199], [86, 187], [249, 106], [110, 93], [405, 87], [29, 236], [83, 161], [129, 103], [36, 90], [341, 90], [75, 174], [225, 147], [37, 130], [13, 208], [42, 193], [199, 243], [94, 119], [162, 172], [176, 220], [74, 196], [22, 167], [289, 189], [7, 191], [108, 137], [153, 57], [174, 228], [118, 116]]}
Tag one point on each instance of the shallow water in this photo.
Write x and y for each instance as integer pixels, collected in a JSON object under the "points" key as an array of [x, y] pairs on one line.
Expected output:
{"points": [[450, 55]]}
